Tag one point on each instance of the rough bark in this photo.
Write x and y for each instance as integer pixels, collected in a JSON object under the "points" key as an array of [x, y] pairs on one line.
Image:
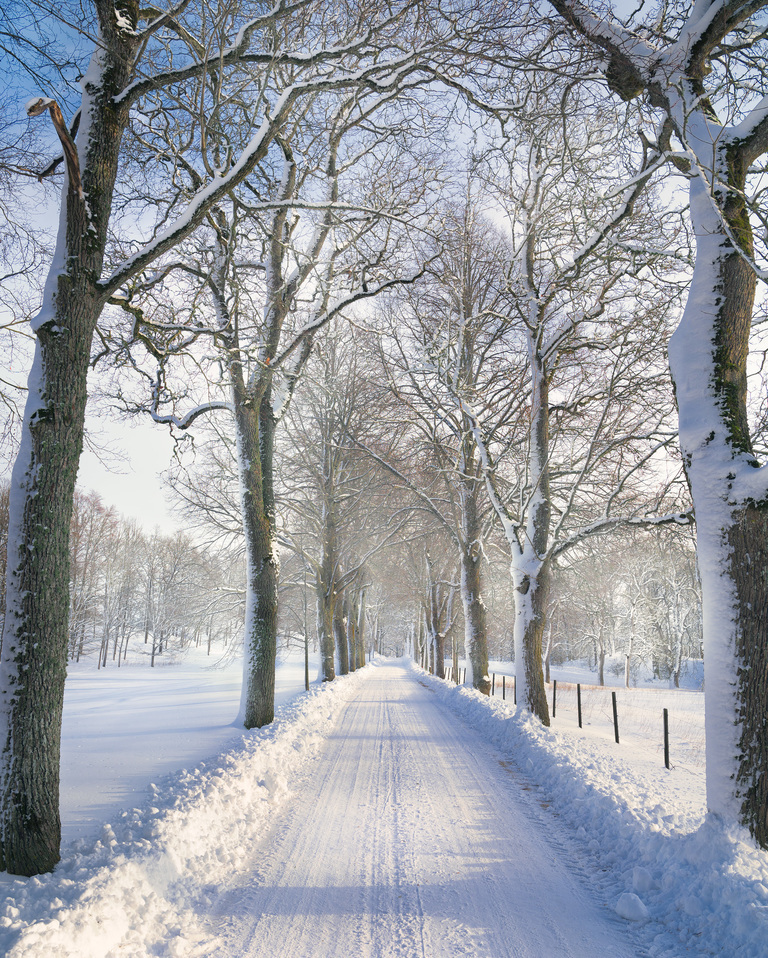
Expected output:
{"points": [[36, 632], [255, 427], [350, 614], [531, 569], [731, 527], [531, 595], [476, 632], [325, 631], [325, 599], [360, 629], [748, 541], [340, 633], [437, 615], [439, 640]]}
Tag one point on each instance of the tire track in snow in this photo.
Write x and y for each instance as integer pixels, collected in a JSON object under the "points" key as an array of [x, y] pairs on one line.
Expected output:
{"points": [[397, 845]]}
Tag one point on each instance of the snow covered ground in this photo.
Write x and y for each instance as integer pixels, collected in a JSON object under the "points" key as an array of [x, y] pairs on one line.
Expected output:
{"points": [[184, 862], [126, 727]]}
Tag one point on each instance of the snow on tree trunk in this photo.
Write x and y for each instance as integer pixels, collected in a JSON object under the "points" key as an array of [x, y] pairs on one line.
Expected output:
{"points": [[350, 614], [531, 591], [34, 647], [708, 360], [530, 569], [326, 590], [708, 363], [360, 628]]}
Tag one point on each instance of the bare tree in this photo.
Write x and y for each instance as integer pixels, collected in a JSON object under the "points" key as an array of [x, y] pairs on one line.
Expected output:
{"points": [[337, 504], [446, 340], [581, 270], [439, 611], [700, 69], [324, 247]]}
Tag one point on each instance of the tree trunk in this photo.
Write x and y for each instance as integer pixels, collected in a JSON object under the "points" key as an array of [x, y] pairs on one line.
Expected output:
{"points": [[630, 649], [731, 517], [306, 633], [422, 641], [325, 631], [340, 633], [439, 644], [531, 594], [361, 629], [255, 432], [36, 632], [350, 614], [455, 657], [708, 359], [475, 630], [678, 662], [531, 590], [326, 595]]}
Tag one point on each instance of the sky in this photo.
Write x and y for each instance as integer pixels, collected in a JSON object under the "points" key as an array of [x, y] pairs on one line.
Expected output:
{"points": [[127, 475], [123, 462]]}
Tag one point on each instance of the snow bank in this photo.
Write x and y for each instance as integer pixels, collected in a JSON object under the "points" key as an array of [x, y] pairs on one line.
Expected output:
{"points": [[136, 890], [704, 886]]}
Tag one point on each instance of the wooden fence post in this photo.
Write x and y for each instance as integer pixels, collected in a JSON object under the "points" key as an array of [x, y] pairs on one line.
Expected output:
{"points": [[615, 718], [578, 702], [666, 738]]}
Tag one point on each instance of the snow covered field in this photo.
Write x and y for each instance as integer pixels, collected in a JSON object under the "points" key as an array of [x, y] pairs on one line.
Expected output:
{"points": [[165, 835], [640, 716], [124, 728]]}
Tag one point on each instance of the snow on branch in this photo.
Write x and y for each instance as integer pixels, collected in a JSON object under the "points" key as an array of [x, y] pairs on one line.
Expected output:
{"points": [[324, 316], [629, 55], [393, 72], [509, 524], [609, 524], [238, 53], [181, 422]]}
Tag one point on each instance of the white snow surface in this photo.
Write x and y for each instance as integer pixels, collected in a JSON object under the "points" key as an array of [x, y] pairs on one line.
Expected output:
{"points": [[387, 813]]}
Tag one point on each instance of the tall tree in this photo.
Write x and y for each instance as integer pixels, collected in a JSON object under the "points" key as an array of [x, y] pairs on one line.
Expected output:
{"points": [[699, 67], [335, 499], [439, 612], [324, 247], [445, 340], [585, 300]]}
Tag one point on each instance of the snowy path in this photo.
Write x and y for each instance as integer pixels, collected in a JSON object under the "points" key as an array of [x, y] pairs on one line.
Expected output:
{"points": [[409, 837]]}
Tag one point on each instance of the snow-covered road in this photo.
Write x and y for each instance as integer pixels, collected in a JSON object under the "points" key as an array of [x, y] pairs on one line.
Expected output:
{"points": [[409, 836]]}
